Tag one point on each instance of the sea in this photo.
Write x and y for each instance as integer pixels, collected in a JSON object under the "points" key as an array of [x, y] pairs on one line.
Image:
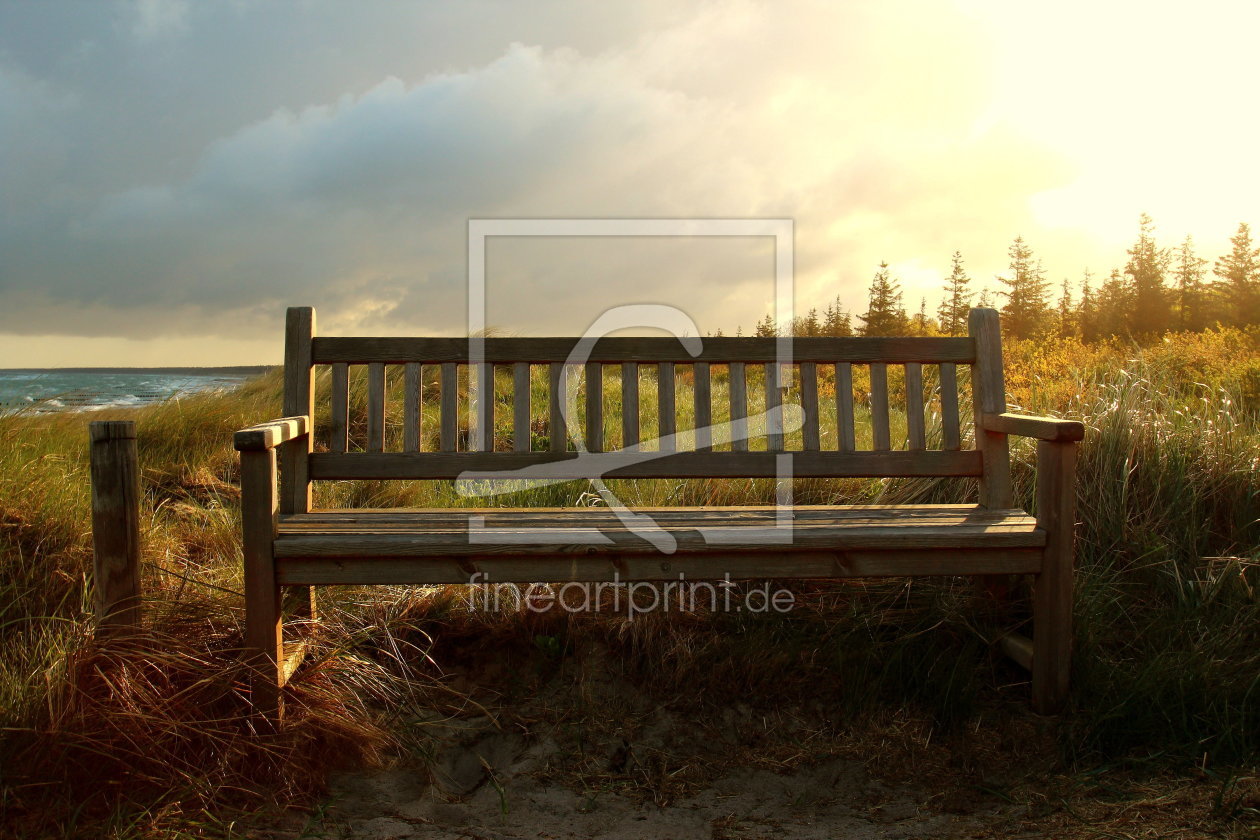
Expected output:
{"points": [[93, 389]]}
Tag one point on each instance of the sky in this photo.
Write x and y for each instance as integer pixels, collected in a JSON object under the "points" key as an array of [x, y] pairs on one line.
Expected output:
{"points": [[174, 174]]}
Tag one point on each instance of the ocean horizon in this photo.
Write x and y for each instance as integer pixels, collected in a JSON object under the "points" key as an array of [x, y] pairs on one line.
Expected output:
{"points": [[43, 390]]}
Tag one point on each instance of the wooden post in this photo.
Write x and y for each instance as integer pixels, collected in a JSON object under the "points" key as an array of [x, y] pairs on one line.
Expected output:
{"points": [[988, 396], [263, 616], [299, 398], [1052, 591], [115, 525]]}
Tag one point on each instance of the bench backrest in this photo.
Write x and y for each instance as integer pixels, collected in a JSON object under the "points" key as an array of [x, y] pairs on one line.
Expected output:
{"points": [[759, 434]]}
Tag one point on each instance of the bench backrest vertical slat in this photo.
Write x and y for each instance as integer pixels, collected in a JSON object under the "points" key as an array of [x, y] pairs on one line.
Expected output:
{"points": [[951, 438], [448, 406], [629, 404], [665, 400], [988, 396], [594, 407], [412, 378], [558, 393], [339, 405], [809, 405], [844, 408], [483, 408], [774, 410], [704, 407], [915, 430], [376, 407], [299, 398], [522, 436], [880, 435], [738, 389]]}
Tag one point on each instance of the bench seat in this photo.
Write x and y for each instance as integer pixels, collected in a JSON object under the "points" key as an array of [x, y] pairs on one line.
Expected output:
{"points": [[560, 544]]}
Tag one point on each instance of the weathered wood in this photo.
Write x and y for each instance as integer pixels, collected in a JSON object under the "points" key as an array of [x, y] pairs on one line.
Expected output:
{"points": [[339, 404], [702, 392], [1045, 428], [263, 643], [116, 594], [738, 392], [594, 407], [1019, 648], [299, 399], [880, 434], [626, 567], [413, 385], [483, 403], [844, 407], [557, 425], [622, 464], [270, 434], [988, 396], [774, 407], [522, 436], [448, 407], [1052, 590], [629, 404], [652, 350], [667, 415], [376, 408], [951, 436], [915, 430], [810, 432]]}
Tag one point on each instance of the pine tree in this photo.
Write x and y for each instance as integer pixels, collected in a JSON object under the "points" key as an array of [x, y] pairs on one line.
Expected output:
{"points": [[922, 325], [1115, 302], [1087, 312], [1146, 268], [1026, 310], [986, 299], [1191, 301], [1068, 326], [836, 321], [954, 309], [766, 328], [1240, 278], [884, 313]]}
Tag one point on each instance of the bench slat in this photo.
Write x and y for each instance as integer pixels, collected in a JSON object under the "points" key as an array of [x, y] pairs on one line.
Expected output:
{"points": [[340, 407], [739, 407], [844, 407], [950, 435], [774, 407], [654, 349], [809, 404], [557, 464], [698, 567], [914, 406], [448, 405], [482, 375], [667, 418], [558, 394], [376, 407], [412, 378], [521, 433], [879, 406], [594, 407], [703, 397]]}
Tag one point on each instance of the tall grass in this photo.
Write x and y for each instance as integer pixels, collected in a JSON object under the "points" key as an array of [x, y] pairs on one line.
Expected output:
{"points": [[147, 735]]}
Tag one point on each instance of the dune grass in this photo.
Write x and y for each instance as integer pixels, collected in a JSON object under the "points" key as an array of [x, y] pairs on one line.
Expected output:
{"points": [[146, 736]]}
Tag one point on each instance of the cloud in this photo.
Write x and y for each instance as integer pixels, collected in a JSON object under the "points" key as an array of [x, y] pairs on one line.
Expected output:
{"points": [[862, 123]]}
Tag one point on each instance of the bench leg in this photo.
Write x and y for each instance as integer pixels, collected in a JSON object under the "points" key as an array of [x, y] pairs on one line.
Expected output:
{"points": [[1052, 592], [264, 647]]}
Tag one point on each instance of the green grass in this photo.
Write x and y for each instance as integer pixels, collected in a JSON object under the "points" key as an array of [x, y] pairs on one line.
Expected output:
{"points": [[147, 736]]}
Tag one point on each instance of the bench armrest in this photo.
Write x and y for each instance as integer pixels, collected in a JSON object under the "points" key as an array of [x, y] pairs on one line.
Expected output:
{"points": [[271, 434], [1043, 428]]}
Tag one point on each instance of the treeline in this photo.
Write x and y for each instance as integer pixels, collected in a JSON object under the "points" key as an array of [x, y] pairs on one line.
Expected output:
{"points": [[1159, 289]]}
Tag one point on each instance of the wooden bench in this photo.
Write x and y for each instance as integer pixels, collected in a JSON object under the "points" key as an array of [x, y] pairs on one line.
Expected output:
{"points": [[287, 544]]}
